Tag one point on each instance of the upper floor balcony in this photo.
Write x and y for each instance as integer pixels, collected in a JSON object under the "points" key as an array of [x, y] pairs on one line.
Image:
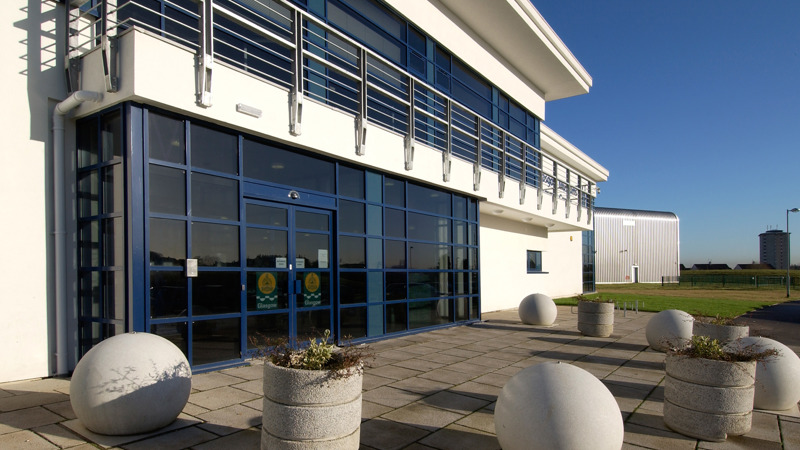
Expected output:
{"points": [[271, 68]]}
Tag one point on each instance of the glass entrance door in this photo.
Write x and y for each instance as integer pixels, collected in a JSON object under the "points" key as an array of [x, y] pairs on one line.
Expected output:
{"points": [[288, 270]]}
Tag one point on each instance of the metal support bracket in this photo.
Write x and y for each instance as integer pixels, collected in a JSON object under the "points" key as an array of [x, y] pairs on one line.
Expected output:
{"points": [[361, 118], [539, 197], [361, 135], [205, 55], [408, 144], [73, 74], [108, 47], [476, 176], [522, 193], [448, 150], [501, 185], [409, 140], [295, 112], [446, 164], [296, 93]]}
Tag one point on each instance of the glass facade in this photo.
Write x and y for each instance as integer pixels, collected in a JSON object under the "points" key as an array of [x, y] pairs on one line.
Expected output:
{"points": [[102, 250], [286, 243], [588, 255]]}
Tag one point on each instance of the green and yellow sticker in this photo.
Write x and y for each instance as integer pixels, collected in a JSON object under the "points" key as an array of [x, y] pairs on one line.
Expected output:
{"points": [[266, 291]]}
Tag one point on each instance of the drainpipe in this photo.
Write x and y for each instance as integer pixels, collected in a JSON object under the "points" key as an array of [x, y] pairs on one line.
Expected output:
{"points": [[59, 220]]}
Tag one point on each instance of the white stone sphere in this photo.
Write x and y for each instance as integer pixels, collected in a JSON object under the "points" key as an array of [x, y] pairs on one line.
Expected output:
{"points": [[130, 384], [777, 377], [554, 405], [670, 327], [537, 309]]}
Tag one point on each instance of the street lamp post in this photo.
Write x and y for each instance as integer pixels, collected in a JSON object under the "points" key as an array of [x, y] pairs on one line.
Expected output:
{"points": [[788, 251]]}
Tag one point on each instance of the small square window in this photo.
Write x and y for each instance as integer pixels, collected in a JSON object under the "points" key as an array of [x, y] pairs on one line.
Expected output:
{"points": [[534, 261]]}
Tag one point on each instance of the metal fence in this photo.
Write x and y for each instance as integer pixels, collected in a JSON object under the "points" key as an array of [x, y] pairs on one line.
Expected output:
{"points": [[731, 281]]}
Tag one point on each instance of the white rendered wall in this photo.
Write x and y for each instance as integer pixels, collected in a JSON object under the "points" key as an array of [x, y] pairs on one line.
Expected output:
{"points": [[33, 81], [505, 280]]}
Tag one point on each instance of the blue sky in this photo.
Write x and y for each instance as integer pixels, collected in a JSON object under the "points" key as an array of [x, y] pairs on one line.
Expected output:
{"points": [[694, 109]]}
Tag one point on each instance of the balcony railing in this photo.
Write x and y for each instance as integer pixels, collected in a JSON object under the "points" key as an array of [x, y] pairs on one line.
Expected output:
{"points": [[285, 46]]}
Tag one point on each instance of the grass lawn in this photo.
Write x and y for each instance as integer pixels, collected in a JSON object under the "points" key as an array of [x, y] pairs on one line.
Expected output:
{"points": [[696, 301]]}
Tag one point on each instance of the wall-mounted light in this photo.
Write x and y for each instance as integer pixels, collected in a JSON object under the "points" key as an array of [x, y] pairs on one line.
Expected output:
{"points": [[249, 110]]}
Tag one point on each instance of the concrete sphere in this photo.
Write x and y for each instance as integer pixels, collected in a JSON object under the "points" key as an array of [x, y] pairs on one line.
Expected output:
{"points": [[777, 377], [537, 309], [557, 406], [130, 384], [669, 328]]}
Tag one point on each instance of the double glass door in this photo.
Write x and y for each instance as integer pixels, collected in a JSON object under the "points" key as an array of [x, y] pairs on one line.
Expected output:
{"points": [[288, 270]]}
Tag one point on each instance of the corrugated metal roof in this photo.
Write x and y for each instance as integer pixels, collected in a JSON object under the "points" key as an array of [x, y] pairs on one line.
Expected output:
{"points": [[634, 214]]}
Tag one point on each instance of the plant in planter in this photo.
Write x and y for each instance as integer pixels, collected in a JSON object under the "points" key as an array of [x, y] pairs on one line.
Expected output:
{"points": [[312, 394], [709, 389], [595, 316], [722, 329]]}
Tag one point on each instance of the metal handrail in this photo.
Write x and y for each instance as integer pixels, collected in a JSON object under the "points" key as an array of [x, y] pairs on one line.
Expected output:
{"points": [[433, 115]]}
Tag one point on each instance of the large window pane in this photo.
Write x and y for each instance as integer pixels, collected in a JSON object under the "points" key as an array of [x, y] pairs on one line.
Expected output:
{"points": [[215, 245], [214, 150], [113, 242], [167, 139], [313, 323], [266, 326], [426, 314], [395, 254], [396, 317], [396, 286], [353, 322], [167, 242], [111, 135], [215, 340], [167, 190], [276, 165], [266, 215], [305, 220], [215, 197], [429, 284], [428, 199], [352, 252], [173, 332], [429, 256], [395, 191], [351, 182], [88, 148], [352, 287], [216, 293], [311, 250], [113, 189], [168, 294], [90, 243], [351, 217], [428, 228], [395, 223], [88, 196], [265, 248]]}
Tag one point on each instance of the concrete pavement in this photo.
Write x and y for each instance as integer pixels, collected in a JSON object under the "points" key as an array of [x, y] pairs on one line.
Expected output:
{"points": [[432, 390]]}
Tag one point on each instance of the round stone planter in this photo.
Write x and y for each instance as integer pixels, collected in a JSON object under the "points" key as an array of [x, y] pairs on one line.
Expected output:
{"points": [[722, 333], [708, 400], [309, 409], [596, 318]]}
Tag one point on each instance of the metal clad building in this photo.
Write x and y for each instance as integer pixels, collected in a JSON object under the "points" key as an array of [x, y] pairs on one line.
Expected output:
{"points": [[636, 246]]}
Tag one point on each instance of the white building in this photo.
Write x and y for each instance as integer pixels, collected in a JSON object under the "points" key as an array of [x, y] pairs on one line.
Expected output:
{"points": [[634, 246], [210, 169]]}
